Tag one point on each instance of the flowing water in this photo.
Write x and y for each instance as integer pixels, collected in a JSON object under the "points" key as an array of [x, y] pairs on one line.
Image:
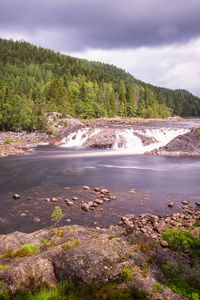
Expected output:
{"points": [[55, 171]]}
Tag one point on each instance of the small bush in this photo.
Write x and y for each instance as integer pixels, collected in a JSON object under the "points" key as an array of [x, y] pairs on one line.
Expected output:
{"points": [[57, 215], [9, 141], [127, 273], [4, 267], [25, 250], [158, 287], [70, 244], [182, 240]]}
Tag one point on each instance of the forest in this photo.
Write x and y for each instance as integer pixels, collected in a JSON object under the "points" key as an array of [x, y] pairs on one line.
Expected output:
{"points": [[35, 81]]}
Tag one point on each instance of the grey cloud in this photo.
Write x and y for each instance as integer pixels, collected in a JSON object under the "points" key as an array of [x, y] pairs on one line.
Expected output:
{"points": [[106, 24]]}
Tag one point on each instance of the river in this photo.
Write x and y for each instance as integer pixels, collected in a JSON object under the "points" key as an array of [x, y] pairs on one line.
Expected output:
{"points": [[53, 171]]}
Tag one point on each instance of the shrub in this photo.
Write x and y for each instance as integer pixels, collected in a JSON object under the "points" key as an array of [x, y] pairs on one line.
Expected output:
{"points": [[25, 250], [70, 244], [183, 240], [127, 273]]}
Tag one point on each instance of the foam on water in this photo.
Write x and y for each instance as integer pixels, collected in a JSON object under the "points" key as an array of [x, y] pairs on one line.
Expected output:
{"points": [[131, 142]]}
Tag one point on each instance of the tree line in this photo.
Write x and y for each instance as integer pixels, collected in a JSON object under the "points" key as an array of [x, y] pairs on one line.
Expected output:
{"points": [[35, 81]]}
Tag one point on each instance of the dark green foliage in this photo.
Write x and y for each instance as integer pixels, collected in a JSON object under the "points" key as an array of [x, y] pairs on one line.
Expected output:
{"points": [[178, 281], [34, 81]]}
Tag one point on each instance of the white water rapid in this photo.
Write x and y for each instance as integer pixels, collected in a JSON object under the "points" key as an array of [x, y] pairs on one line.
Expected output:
{"points": [[127, 140]]}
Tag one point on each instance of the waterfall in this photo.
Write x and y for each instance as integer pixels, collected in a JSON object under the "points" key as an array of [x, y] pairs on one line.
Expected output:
{"points": [[78, 138], [126, 140]]}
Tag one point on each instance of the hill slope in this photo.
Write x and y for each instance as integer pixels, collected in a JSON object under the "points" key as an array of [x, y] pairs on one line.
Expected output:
{"points": [[35, 80]]}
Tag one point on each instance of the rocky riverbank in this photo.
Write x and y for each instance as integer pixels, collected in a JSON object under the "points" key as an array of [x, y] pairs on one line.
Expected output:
{"points": [[183, 145], [16, 143], [146, 257], [116, 258]]}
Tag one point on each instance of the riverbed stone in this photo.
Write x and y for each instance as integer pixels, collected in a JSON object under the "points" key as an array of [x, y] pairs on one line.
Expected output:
{"points": [[54, 199], [98, 201], [104, 191], [86, 187], [164, 244], [69, 202], [16, 196], [170, 204], [36, 220], [185, 202], [85, 206]]}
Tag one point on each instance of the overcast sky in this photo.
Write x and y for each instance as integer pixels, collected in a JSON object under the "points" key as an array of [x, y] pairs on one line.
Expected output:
{"points": [[157, 41]]}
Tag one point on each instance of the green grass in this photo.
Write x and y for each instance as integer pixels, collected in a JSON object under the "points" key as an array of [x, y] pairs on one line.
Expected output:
{"points": [[158, 287], [9, 141], [182, 240], [70, 244], [127, 273], [69, 291], [4, 267], [24, 250]]}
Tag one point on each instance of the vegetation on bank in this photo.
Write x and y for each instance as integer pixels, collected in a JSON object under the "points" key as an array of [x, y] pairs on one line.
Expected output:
{"points": [[34, 81]]}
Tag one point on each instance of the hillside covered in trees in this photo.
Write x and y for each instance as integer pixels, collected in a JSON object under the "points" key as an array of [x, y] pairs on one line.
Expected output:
{"points": [[34, 81]]}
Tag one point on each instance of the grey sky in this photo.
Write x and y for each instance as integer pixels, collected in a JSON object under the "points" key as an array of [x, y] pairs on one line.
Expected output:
{"points": [[89, 27]]}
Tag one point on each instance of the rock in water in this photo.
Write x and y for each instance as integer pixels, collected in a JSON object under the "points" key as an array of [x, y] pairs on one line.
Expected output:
{"points": [[86, 188], [16, 196]]}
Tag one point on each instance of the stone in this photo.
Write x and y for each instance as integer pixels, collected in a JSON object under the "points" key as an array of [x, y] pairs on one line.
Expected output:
{"points": [[75, 198], [170, 204], [36, 220], [113, 197], [104, 191], [106, 199], [173, 223], [197, 203], [128, 216], [154, 218], [69, 202], [164, 244], [16, 196], [54, 199], [132, 192], [98, 201], [22, 214], [85, 206], [120, 223], [185, 202], [86, 188], [185, 207], [196, 232], [47, 199], [96, 189], [161, 226]]}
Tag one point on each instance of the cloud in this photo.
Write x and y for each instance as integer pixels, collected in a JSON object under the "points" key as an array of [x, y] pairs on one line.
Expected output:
{"points": [[174, 66], [101, 24]]}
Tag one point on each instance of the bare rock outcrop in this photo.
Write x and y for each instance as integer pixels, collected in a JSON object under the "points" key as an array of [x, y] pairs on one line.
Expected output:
{"points": [[104, 139], [86, 256], [187, 144]]}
